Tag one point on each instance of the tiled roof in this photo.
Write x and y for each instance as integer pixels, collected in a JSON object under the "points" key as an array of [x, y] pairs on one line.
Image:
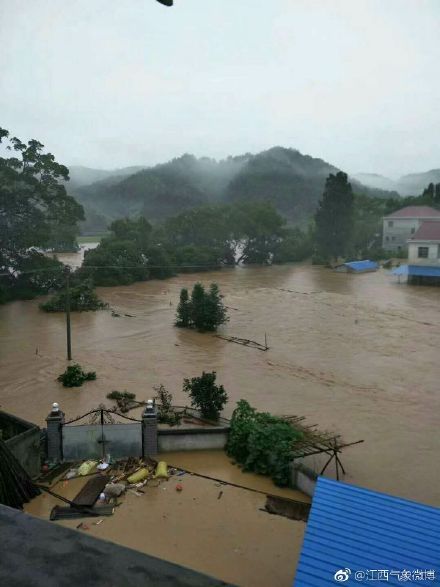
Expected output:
{"points": [[415, 212], [428, 231]]}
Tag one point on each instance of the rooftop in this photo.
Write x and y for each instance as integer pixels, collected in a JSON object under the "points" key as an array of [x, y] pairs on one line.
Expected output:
{"points": [[428, 231], [351, 529], [415, 212], [43, 554]]}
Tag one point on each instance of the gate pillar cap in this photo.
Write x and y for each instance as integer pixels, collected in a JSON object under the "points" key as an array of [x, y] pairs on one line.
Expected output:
{"points": [[150, 409]]}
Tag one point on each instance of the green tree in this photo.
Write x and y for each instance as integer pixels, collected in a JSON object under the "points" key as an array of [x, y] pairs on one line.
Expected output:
{"points": [[334, 217], [183, 318], [35, 210], [215, 311], [199, 307], [83, 298], [205, 395], [204, 311], [294, 245]]}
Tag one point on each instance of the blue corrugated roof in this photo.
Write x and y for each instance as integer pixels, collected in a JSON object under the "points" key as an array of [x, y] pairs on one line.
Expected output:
{"points": [[362, 265], [401, 270], [418, 270], [358, 530]]}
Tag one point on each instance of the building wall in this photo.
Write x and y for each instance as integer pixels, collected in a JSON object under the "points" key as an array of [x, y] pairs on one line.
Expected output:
{"points": [[402, 229], [396, 236], [433, 253]]}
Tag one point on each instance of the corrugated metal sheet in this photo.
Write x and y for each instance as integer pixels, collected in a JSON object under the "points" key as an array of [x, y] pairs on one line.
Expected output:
{"points": [[362, 265], [354, 530], [401, 270], [418, 270]]}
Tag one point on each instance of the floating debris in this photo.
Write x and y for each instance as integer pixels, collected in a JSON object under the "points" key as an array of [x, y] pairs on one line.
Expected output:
{"points": [[244, 342]]}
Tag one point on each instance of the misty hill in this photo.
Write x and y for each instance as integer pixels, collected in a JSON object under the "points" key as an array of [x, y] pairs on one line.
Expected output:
{"points": [[81, 176], [377, 181], [292, 181], [412, 184]]}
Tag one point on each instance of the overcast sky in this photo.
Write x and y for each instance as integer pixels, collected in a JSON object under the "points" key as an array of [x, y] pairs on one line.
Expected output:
{"points": [[110, 83]]}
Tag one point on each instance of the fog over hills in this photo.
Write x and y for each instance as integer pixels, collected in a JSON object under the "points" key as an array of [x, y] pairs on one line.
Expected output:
{"points": [[292, 181], [411, 184]]}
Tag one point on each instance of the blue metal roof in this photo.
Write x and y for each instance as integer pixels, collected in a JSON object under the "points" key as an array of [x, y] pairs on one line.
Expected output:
{"points": [[419, 270], [361, 532], [362, 265]]}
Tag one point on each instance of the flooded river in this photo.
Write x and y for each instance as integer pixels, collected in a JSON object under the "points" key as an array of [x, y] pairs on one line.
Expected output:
{"points": [[355, 354]]}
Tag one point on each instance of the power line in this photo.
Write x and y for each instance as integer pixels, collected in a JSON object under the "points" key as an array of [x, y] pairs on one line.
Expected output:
{"points": [[61, 269]]}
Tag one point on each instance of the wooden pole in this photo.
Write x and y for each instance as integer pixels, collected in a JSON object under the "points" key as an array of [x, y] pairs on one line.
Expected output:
{"points": [[69, 341], [337, 465]]}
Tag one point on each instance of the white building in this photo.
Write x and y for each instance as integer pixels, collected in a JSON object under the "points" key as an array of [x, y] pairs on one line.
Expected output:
{"points": [[424, 246], [400, 226]]}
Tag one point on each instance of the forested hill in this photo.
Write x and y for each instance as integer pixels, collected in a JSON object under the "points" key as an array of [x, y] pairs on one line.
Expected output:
{"points": [[292, 181]]}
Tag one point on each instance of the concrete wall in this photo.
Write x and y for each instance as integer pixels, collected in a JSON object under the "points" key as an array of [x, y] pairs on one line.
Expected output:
{"points": [[402, 229], [192, 439], [25, 444], [433, 253], [303, 478]]}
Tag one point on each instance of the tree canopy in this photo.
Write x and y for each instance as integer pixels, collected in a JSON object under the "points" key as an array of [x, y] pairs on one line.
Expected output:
{"points": [[35, 213], [204, 310], [334, 217]]}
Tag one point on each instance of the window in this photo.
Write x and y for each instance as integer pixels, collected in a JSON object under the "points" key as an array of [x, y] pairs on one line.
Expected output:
{"points": [[387, 238], [413, 230], [390, 223], [393, 238], [423, 252]]}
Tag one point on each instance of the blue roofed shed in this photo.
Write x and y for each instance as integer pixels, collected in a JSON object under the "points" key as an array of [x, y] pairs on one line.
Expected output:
{"points": [[356, 536], [417, 270], [357, 267]]}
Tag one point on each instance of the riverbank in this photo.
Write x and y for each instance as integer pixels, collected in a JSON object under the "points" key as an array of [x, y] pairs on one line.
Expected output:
{"points": [[355, 354]]}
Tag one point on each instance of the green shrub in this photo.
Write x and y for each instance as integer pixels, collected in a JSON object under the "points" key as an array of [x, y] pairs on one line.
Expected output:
{"points": [[261, 443], [121, 395], [165, 411], [205, 395], [74, 376]]}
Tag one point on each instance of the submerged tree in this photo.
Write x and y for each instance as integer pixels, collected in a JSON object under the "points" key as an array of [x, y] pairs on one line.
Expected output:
{"points": [[205, 310], [334, 217], [82, 299], [183, 318]]}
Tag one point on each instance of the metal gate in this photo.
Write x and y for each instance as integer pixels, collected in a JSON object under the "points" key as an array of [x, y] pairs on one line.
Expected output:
{"points": [[101, 435]]}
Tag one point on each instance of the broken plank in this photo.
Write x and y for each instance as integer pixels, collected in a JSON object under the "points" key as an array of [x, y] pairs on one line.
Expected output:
{"points": [[91, 491], [68, 513]]}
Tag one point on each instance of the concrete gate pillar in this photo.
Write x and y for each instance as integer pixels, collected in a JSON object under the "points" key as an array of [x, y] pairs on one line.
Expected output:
{"points": [[55, 421], [149, 430]]}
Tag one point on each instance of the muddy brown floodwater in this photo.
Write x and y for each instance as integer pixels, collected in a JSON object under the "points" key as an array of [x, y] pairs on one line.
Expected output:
{"points": [[355, 354]]}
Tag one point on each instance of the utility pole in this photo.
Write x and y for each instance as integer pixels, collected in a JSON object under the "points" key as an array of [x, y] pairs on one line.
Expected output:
{"points": [[69, 342]]}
